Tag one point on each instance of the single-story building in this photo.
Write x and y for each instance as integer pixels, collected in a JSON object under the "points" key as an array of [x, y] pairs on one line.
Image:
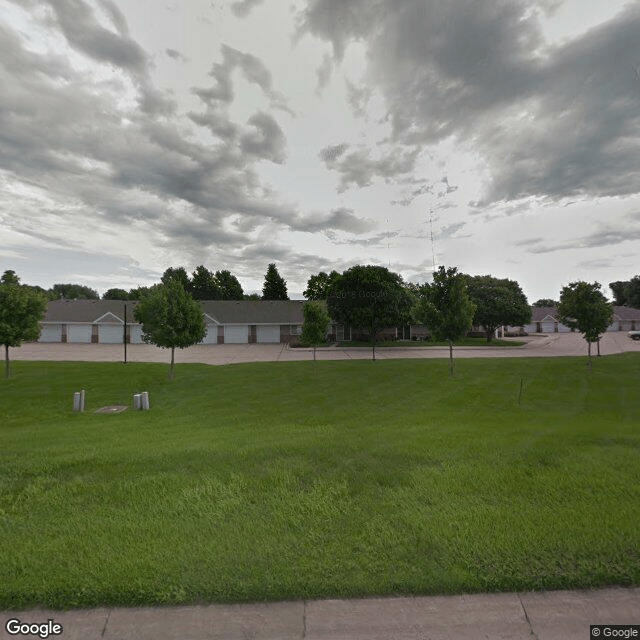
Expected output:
{"points": [[228, 321], [545, 320]]}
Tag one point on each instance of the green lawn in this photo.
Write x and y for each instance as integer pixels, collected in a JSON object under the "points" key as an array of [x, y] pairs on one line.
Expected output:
{"points": [[300, 480]]}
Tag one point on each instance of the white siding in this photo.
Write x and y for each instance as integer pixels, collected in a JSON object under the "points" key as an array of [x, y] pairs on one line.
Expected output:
{"points": [[236, 334], [268, 333], [78, 333]]}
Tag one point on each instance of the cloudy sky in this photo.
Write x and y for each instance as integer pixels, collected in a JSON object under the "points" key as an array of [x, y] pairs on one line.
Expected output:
{"points": [[499, 136]]}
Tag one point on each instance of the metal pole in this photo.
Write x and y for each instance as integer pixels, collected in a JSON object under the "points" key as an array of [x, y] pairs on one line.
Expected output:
{"points": [[124, 335]]}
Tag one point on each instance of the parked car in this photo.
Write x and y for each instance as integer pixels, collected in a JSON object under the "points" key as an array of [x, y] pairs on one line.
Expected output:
{"points": [[634, 335]]}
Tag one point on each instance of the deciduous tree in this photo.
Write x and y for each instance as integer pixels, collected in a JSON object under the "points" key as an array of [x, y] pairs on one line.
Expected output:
{"points": [[115, 294], [444, 306], [230, 287], [21, 311], [170, 318], [498, 302], [371, 298], [314, 328], [584, 307], [545, 302], [73, 292], [318, 285]]}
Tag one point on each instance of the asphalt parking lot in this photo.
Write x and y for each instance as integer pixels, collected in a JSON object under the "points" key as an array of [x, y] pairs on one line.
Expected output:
{"points": [[552, 345]]}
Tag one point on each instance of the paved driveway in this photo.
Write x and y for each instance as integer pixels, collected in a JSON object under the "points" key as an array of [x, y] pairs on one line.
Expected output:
{"points": [[559, 344]]}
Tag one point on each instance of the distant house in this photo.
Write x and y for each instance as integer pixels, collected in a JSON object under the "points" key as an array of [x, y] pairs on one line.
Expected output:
{"points": [[545, 320], [228, 321]]}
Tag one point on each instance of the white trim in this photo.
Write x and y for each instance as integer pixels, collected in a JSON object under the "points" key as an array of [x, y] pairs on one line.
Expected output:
{"points": [[109, 313]]}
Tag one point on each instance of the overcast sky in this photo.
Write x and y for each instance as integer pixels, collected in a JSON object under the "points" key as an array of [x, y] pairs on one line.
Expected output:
{"points": [[498, 136]]}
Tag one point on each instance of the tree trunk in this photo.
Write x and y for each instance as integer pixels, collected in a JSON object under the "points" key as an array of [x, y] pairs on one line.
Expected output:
{"points": [[314, 352], [598, 347], [6, 361], [589, 353], [172, 363], [490, 335], [450, 359]]}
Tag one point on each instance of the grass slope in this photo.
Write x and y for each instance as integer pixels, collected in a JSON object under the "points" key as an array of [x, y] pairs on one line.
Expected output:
{"points": [[339, 479]]}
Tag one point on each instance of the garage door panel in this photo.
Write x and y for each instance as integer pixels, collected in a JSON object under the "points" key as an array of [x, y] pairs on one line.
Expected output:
{"points": [[268, 334], [135, 335], [110, 334], [79, 333], [236, 334], [51, 333], [211, 336]]}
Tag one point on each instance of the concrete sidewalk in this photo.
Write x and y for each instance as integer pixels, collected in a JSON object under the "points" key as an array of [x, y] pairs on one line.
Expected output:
{"points": [[552, 615]]}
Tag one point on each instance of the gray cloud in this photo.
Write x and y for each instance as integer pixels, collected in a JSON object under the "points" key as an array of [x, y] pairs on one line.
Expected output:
{"points": [[357, 168], [242, 8], [176, 55], [324, 73], [266, 141], [550, 122]]}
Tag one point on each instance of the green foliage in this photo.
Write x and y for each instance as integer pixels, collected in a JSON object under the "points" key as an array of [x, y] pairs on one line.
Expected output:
{"points": [[252, 296], [371, 298], [445, 307], [318, 285], [138, 293], [10, 277], [498, 302], [73, 292], [115, 294], [204, 285], [626, 292], [584, 307], [170, 317], [21, 311], [545, 302], [275, 287], [314, 328], [230, 287], [177, 273]]}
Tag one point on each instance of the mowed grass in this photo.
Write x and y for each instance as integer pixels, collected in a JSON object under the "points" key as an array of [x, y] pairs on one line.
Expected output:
{"points": [[279, 481]]}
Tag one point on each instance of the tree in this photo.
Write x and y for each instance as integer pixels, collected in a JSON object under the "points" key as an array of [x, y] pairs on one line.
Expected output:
{"points": [[177, 273], [204, 285], [314, 328], [545, 302], [498, 302], [115, 294], [619, 292], [275, 287], [445, 307], [230, 287], [252, 296], [170, 318], [138, 293], [73, 292], [10, 277], [584, 307], [371, 298], [21, 311], [318, 285]]}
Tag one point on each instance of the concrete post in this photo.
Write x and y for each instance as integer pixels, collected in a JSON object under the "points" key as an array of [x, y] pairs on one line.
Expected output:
{"points": [[137, 402], [144, 400], [76, 401]]}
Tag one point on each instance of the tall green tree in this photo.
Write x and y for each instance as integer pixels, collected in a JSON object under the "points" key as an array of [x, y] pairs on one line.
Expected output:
{"points": [[170, 318], [177, 273], [115, 294], [275, 287], [314, 328], [318, 285], [499, 302], [545, 302], [445, 307], [21, 311], [626, 292], [230, 286], [10, 277], [584, 307], [619, 289], [204, 285], [371, 298], [73, 292]]}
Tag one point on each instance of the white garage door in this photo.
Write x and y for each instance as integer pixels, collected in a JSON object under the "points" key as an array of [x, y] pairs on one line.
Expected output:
{"points": [[268, 333], [212, 335], [78, 333], [135, 334], [51, 333], [562, 328], [236, 334], [110, 334], [548, 327]]}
